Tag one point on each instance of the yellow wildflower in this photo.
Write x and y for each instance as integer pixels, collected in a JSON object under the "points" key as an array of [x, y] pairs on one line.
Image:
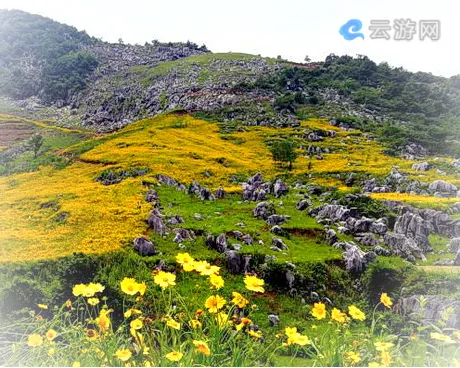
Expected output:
{"points": [[165, 279], [338, 316], [386, 300], [123, 354], [442, 337], [68, 303], [76, 364], [42, 306], [132, 311], [93, 301], [253, 283], [103, 321], [206, 269], [51, 335], [216, 281], [353, 357], [373, 364], [214, 303], [201, 347], [34, 340], [300, 339], [239, 300], [79, 289], [142, 288], [51, 352], [356, 313], [383, 346], [319, 311], [255, 334], [91, 334], [290, 331], [129, 286], [385, 358], [96, 288], [173, 324], [195, 324], [187, 262], [136, 324], [174, 356]]}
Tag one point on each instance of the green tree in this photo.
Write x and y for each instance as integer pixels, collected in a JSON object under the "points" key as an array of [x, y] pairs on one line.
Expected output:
{"points": [[35, 144], [284, 152]]}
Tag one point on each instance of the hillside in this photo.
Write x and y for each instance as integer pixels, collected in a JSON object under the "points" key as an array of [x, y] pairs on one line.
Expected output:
{"points": [[163, 205]]}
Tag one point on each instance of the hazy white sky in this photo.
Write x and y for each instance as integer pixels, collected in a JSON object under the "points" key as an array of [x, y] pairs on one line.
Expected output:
{"points": [[290, 28]]}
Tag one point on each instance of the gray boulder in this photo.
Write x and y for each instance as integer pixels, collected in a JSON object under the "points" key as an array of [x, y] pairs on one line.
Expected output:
{"points": [[303, 204], [367, 239], [277, 242], [414, 226], [280, 188], [151, 196], [424, 166], [247, 239], [144, 246], [221, 243], [163, 179], [454, 245], [331, 236], [441, 186], [264, 210], [157, 224], [220, 193], [184, 233], [277, 219], [356, 260], [404, 247]]}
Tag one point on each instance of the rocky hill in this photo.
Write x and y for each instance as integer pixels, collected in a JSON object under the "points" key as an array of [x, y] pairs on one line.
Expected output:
{"points": [[60, 74]]}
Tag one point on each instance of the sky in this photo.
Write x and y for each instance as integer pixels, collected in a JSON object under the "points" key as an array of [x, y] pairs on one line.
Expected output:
{"points": [[290, 28]]}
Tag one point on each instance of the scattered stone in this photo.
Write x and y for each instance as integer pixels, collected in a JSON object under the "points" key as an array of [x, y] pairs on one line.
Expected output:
{"points": [[156, 223], [277, 242], [424, 166], [264, 210], [144, 246], [303, 204], [280, 188], [220, 193], [277, 219], [274, 319], [198, 217]]}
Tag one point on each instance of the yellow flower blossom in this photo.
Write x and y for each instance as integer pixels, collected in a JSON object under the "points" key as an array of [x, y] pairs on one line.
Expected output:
{"points": [[165, 279], [239, 300], [173, 324], [137, 324], [51, 335], [216, 281], [174, 356], [442, 337], [319, 311], [131, 311], [142, 288], [338, 316], [195, 324], [51, 352], [373, 364], [201, 347], [129, 286], [187, 262], [34, 340], [91, 334], [93, 301], [356, 313], [103, 321], [76, 364], [385, 358], [206, 269], [68, 303], [386, 300], [42, 306], [290, 331], [255, 334], [214, 303], [222, 319], [383, 346], [123, 354], [353, 357], [253, 283]]}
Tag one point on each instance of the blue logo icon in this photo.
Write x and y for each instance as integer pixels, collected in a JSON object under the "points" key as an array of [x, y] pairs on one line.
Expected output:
{"points": [[350, 29]]}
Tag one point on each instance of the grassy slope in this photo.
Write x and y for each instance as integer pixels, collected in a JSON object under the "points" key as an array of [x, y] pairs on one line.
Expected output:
{"points": [[104, 218]]}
